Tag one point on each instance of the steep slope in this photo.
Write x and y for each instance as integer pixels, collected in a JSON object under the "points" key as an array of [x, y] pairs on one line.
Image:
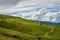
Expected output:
{"points": [[16, 28]]}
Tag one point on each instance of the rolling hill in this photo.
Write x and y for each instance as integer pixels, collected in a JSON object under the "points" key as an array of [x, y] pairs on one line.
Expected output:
{"points": [[16, 28]]}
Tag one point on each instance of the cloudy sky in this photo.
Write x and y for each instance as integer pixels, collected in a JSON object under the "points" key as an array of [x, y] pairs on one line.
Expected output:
{"points": [[14, 5], [29, 7]]}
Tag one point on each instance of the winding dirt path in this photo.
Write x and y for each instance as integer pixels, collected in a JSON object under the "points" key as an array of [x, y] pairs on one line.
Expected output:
{"points": [[52, 29]]}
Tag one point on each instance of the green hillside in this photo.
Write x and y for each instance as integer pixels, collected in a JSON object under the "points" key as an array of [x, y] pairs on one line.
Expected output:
{"points": [[15, 28]]}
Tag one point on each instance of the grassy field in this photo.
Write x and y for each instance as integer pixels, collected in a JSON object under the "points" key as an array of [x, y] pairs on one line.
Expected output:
{"points": [[15, 28]]}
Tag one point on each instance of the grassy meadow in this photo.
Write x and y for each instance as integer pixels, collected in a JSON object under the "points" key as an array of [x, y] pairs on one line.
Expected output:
{"points": [[16, 28]]}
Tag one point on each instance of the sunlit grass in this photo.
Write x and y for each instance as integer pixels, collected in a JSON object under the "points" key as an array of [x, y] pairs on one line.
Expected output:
{"points": [[15, 28]]}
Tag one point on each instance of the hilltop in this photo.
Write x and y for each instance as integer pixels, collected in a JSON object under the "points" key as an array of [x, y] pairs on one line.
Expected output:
{"points": [[16, 28]]}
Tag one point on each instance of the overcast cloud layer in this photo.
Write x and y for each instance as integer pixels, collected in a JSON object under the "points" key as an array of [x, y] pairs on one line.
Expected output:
{"points": [[12, 4], [25, 9]]}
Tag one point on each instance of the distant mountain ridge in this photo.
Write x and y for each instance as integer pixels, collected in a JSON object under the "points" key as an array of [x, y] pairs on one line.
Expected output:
{"points": [[50, 23]]}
